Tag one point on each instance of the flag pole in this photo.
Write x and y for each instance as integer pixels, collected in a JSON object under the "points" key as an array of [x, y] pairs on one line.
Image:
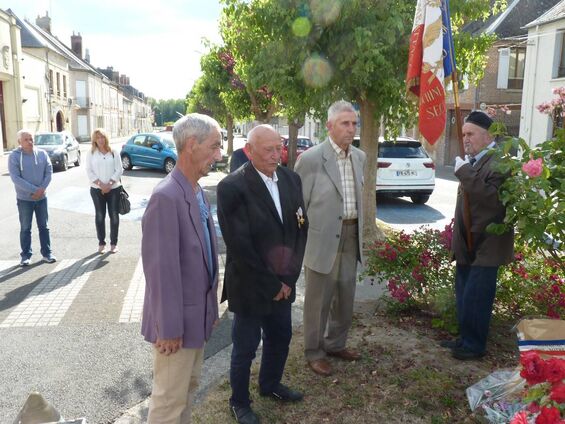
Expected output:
{"points": [[459, 124]]}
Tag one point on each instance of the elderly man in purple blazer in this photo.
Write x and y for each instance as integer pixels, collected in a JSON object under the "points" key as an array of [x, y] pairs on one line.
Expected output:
{"points": [[179, 254]]}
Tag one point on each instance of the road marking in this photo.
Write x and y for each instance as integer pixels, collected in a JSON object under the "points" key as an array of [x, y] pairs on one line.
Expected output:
{"points": [[133, 302], [48, 302]]}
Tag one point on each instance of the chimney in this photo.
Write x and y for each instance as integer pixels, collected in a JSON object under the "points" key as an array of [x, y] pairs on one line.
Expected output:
{"points": [[44, 22], [116, 76], [76, 44], [87, 55], [123, 79]]}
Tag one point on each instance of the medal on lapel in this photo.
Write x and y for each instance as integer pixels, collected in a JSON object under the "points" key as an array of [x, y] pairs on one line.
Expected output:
{"points": [[300, 217]]}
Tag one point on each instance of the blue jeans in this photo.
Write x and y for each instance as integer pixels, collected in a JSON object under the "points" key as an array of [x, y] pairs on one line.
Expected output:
{"points": [[111, 201], [246, 333], [475, 289], [26, 208]]}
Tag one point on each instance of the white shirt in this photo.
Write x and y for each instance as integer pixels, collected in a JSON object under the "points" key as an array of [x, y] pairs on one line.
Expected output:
{"points": [[104, 167], [273, 188]]}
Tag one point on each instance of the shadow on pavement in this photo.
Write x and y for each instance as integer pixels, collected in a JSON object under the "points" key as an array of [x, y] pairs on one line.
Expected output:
{"points": [[393, 210]]}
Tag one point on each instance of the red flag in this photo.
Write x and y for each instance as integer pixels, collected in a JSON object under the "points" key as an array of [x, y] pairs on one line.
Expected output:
{"points": [[429, 63]]}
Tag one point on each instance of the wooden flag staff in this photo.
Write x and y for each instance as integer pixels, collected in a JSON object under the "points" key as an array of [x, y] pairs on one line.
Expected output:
{"points": [[459, 123]]}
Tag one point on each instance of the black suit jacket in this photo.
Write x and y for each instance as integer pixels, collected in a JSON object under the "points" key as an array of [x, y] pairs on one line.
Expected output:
{"points": [[262, 251]]}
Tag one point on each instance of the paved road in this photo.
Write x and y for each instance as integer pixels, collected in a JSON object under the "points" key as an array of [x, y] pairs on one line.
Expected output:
{"points": [[402, 214]]}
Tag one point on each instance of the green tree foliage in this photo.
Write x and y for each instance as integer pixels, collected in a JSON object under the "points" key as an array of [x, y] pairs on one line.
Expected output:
{"points": [[355, 49], [167, 110]]}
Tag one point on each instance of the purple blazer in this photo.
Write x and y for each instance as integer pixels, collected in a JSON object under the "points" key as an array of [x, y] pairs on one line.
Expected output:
{"points": [[180, 297]]}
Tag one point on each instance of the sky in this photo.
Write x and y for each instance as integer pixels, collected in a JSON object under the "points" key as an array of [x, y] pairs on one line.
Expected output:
{"points": [[157, 44]]}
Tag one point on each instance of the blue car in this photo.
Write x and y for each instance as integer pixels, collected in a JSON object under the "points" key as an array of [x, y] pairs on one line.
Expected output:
{"points": [[150, 150]]}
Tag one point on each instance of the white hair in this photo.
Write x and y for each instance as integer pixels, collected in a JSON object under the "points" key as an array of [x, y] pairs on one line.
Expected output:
{"points": [[193, 125], [338, 107], [21, 132]]}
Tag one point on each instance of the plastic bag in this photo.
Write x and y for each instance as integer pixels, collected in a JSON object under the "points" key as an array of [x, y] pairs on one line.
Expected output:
{"points": [[498, 395]]}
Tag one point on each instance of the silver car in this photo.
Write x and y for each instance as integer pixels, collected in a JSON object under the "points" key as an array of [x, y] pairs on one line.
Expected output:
{"points": [[62, 148]]}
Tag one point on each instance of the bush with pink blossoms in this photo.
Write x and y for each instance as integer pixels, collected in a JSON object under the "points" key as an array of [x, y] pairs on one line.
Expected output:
{"points": [[534, 192]]}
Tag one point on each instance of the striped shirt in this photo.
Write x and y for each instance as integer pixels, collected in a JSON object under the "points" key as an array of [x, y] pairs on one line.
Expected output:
{"points": [[345, 167]]}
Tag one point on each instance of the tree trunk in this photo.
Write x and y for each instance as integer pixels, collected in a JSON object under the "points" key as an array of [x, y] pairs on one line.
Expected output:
{"points": [[369, 144], [293, 126], [229, 125]]}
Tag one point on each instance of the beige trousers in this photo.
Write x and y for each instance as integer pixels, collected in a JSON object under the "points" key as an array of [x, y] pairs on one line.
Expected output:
{"points": [[328, 299], [175, 380]]}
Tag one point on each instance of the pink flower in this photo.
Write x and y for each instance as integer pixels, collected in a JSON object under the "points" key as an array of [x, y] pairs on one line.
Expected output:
{"points": [[520, 418], [533, 168]]}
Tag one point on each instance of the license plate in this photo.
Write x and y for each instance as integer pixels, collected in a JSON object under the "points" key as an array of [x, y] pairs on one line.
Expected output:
{"points": [[406, 173]]}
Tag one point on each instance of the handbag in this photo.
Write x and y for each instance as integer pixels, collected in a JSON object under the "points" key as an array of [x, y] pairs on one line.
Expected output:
{"points": [[124, 205]]}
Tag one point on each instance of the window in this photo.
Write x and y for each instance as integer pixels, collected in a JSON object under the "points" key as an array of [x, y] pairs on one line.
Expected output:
{"points": [[65, 86], [58, 84], [50, 81], [516, 68], [561, 66], [511, 65]]}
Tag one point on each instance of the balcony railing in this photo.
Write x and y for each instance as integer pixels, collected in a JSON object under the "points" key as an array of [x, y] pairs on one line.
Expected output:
{"points": [[83, 102]]}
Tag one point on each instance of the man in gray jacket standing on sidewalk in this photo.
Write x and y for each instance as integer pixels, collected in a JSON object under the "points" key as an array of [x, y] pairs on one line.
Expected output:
{"points": [[31, 171]]}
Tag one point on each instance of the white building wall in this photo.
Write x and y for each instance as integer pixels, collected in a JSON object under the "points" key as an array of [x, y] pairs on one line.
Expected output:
{"points": [[542, 58]]}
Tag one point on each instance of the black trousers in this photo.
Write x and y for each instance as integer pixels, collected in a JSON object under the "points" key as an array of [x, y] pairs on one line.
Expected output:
{"points": [[102, 202], [276, 330]]}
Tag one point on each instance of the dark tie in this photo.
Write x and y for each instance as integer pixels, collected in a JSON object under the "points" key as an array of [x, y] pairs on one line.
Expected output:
{"points": [[472, 161]]}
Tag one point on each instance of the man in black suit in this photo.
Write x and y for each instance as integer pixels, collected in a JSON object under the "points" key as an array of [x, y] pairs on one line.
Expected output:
{"points": [[261, 214]]}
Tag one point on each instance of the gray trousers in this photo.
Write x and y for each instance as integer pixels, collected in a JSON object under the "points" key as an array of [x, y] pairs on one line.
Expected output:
{"points": [[328, 300]]}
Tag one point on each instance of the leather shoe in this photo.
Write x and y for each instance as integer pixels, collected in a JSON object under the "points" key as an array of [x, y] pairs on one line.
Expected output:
{"points": [[321, 366], [464, 354], [245, 415], [284, 394], [346, 354], [450, 344]]}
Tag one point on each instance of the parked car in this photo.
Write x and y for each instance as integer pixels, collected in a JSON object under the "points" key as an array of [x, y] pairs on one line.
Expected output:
{"points": [[61, 147], [404, 169], [302, 144], [150, 150]]}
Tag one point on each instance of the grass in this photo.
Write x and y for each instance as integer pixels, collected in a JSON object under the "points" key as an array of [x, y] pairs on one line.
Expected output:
{"points": [[403, 377]]}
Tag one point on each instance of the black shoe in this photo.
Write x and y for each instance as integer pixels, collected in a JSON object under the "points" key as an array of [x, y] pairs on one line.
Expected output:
{"points": [[465, 354], [245, 415], [450, 344], [284, 394]]}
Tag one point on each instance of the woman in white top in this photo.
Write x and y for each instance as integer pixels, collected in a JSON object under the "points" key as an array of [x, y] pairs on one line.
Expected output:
{"points": [[104, 168]]}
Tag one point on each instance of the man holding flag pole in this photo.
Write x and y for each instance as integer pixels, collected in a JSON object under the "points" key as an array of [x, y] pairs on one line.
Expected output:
{"points": [[477, 253]]}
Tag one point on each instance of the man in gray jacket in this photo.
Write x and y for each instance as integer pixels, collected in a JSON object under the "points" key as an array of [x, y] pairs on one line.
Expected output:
{"points": [[332, 180], [31, 171]]}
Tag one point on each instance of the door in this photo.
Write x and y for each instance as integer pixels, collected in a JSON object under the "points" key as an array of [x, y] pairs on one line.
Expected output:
{"points": [[154, 151]]}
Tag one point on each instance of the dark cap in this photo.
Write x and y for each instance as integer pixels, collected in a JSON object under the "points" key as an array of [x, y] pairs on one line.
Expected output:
{"points": [[480, 119]]}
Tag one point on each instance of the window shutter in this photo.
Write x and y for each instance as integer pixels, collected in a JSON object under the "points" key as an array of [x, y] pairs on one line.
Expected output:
{"points": [[503, 65]]}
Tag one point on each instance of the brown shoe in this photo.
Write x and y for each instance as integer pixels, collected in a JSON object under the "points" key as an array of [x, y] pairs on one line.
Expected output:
{"points": [[321, 366], [346, 354]]}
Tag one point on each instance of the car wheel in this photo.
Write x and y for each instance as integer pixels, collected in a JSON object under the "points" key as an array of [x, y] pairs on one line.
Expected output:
{"points": [[420, 199], [65, 164], [77, 163], [126, 162], [169, 165]]}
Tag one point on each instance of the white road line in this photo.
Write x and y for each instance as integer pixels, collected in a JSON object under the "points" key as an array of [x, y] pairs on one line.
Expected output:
{"points": [[133, 302], [48, 302]]}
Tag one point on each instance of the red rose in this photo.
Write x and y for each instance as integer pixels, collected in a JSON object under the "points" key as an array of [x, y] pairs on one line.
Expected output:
{"points": [[532, 368], [549, 416], [555, 370], [533, 408], [558, 393]]}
